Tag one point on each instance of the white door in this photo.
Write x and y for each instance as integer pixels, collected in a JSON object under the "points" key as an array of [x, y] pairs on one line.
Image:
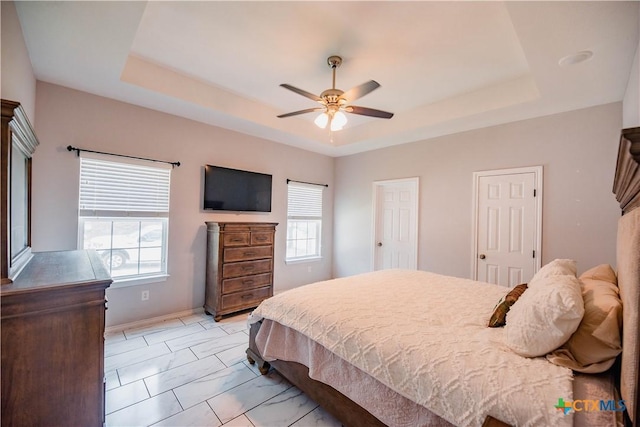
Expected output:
{"points": [[395, 224], [507, 225]]}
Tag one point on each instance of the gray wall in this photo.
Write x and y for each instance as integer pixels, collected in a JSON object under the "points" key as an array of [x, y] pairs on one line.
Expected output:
{"points": [[631, 102], [577, 150], [69, 117], [18, 82]]}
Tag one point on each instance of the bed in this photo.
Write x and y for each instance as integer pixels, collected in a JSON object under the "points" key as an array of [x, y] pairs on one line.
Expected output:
{"points": [[414, 347]]}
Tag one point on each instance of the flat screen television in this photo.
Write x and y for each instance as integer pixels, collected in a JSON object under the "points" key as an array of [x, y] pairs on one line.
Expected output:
{"points": [[228, 189]]}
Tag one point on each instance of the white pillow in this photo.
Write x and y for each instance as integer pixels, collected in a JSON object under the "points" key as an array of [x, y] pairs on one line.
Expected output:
{"points": [[557, 267], [545, 316]]}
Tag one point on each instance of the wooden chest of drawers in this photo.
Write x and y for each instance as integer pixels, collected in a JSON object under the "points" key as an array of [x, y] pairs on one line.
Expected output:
{"points": [[239, 266], [52, 322]]}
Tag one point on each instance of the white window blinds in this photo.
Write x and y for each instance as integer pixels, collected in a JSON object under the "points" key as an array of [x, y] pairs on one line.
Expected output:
{"points": [[123, 189], [304, 222], [304, 201]]}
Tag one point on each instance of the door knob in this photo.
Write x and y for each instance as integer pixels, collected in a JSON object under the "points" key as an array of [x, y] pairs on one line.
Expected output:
{"points": [[379, 244], [482, 256]]}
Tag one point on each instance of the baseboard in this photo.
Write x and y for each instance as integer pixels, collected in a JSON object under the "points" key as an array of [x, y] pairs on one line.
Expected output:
{"points": [[145, 322]]}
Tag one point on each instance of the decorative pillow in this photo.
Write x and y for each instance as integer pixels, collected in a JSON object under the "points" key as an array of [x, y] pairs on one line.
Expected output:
{"points": [[602, 272], [557, 267], [502, 308], [544, 317], [597, 342]]}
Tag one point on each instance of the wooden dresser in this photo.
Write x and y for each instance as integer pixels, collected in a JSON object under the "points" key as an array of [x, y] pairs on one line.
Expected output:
{"points": [[239, 266], [52, 321]]}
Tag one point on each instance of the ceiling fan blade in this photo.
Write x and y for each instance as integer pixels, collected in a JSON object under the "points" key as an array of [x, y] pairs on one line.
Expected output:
{"points": [[295, 113], [360, 90], [364, 111], [302, 92]]}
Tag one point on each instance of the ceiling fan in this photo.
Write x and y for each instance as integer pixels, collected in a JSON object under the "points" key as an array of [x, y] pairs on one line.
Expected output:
{"points": [[336, 102]]}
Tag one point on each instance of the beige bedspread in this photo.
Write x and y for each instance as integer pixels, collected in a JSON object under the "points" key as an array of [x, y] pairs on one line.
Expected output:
{"points": [[424, 336], [277, 342]]}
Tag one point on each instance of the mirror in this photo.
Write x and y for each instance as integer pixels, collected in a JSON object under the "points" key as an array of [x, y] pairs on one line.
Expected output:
{"points": [[19, 220], [18, 145]]}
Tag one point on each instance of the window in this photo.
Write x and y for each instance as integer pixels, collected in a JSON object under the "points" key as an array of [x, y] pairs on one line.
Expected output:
{"points": [[304, 221], [124, 209]]}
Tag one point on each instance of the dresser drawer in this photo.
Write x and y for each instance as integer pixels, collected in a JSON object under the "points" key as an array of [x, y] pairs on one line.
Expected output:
{"points": [[261, 238], [238, 269], [245, 299], [247, 253], [246, 283], [236, 239]]}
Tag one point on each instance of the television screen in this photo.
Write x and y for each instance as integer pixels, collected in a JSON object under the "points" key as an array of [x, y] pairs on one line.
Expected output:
{"points": [[236, 190]]}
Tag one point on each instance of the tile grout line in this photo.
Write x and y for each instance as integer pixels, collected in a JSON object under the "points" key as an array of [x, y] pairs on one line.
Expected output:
{"points": [[172, 329], [178, 400], [316, 407], [214, 413]]}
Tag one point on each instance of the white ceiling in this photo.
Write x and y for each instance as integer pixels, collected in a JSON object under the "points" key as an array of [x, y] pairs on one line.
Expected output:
{"points": [[444, 67]]}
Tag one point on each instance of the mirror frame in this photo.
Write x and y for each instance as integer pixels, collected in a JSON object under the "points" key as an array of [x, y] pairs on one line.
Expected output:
{"points": [[16, 130]]}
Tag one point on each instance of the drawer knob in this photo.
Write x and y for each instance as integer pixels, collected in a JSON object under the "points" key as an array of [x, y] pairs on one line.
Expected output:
{"points": [[247, 282], [247, 296], [249, 253], [248, 267]]}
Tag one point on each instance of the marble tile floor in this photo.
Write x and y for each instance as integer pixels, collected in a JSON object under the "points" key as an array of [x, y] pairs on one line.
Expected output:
{"points": [[192, 371]]}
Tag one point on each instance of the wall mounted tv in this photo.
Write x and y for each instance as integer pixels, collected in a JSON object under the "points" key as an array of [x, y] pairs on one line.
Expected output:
{"points": [[236, 190]]}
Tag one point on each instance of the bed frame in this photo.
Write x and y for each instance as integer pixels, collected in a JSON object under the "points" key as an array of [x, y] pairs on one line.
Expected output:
{"points": [[627, 190]]}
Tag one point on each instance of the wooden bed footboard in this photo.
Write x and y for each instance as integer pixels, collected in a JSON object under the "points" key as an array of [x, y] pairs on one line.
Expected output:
{"points": [[340, 406]]}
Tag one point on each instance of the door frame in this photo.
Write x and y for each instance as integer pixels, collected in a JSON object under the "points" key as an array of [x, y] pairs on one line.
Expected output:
{"points": [[415, 208], [537, 174]]}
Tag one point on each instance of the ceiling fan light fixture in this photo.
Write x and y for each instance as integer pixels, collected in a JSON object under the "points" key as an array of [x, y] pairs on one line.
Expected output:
{"points": [[335, 102], [339, 120], [322, 120]]}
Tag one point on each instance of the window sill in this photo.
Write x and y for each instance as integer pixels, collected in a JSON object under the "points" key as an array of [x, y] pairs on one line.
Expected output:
{"points": [[136, 281], [302, 260]]}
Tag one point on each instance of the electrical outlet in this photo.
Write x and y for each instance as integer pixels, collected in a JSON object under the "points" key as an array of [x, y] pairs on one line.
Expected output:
{"points": [[145, 295]]}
